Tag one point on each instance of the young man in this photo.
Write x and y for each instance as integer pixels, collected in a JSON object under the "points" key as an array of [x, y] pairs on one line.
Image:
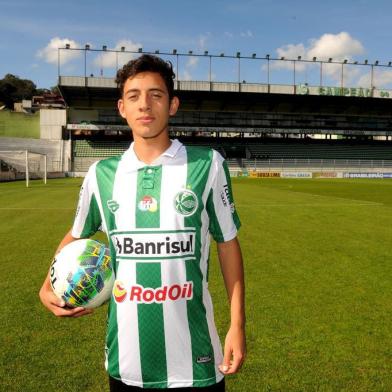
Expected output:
{"points": [[158, 204]]}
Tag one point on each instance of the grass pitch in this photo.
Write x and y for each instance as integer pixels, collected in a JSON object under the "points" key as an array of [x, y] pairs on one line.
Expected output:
{"points": [[319, 286]]}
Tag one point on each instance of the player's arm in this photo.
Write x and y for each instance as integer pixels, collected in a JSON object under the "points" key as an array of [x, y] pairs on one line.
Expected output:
{"points": [[49, 299], [230, 259]]}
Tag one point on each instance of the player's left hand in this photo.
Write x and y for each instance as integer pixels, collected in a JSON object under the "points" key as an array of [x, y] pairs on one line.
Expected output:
{"points": [[234, 351]]}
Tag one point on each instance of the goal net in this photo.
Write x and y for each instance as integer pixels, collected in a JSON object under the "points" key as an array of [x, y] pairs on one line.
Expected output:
{"points": [[26, 165]]}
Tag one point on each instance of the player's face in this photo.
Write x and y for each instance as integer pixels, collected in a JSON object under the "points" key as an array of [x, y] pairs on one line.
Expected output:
{"points": [[146, 106]]}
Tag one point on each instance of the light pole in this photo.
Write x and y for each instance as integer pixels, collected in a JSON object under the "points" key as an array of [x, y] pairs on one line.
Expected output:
{"points": [[209, 68], [268, 71], [58, 63], [86, 48], [239, 67], [342, 74]]}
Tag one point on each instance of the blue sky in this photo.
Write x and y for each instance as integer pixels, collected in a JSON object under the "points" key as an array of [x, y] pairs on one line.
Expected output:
{"points": [[353, 29]]}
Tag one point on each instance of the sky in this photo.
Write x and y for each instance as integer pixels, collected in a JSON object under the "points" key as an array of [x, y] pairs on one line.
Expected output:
{"points": [[32, 31]]}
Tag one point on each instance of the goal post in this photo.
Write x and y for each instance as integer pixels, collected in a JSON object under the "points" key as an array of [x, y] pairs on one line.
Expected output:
{"points": [[23, 164]]}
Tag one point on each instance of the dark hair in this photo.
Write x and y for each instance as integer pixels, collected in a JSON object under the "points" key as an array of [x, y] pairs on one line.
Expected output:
{"points": [[147, 63]]}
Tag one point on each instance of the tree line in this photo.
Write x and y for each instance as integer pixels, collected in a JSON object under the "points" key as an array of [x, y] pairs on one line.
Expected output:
{"points": [[14, 89]]}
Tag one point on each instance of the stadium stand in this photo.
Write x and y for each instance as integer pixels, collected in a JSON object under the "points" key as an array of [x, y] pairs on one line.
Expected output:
{"points": [[98, 148], [303, 149], [256, 153]]}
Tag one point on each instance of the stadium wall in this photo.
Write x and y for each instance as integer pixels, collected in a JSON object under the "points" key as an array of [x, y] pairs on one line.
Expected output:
{"points": [[52, 122], [58, 152], [307, 174], [23, 125]]}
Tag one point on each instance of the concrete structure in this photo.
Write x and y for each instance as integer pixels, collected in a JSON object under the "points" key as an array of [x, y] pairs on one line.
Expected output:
{"points": [[244, 108]]}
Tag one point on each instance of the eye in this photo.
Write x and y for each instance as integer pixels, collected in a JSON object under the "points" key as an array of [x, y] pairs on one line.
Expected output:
{"points": [[156, 95]]}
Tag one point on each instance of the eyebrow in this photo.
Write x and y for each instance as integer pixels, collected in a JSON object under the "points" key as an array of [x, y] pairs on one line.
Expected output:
{"points": [[136, 90]]}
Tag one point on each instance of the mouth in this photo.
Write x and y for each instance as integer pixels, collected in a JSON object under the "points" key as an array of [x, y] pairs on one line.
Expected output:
{"points": [[146, 119]]}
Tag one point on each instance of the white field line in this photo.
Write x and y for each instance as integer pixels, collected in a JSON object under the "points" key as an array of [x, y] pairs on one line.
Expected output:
{"points": [[311, 205], [35, 208], [338, 198]]}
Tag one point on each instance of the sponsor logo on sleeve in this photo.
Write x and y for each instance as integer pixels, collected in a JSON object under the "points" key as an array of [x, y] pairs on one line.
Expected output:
{"points": [[225, 196]]}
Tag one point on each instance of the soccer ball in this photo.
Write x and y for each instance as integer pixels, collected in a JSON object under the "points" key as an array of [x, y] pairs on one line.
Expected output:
{"points": [[82, 275]]}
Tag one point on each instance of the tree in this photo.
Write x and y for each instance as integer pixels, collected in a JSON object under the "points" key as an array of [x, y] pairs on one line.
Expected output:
{"points": [[13, 89]]}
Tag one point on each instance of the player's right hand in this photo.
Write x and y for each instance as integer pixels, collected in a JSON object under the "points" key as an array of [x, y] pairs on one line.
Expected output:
{"points": [[58, 306]]}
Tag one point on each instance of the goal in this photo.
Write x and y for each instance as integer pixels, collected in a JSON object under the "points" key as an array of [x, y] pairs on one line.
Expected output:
{"points": [[27, 165]]}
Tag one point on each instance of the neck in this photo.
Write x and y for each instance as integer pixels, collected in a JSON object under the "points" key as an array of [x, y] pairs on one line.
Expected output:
{"points": [[148, 149]]}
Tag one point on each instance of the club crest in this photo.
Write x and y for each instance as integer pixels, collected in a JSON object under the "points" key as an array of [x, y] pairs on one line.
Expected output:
{"points": [[185, 202]]}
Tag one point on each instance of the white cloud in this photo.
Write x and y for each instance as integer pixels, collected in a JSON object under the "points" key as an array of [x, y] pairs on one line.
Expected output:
{"points": [[186, 75], [247, 34], [228, 34], [112, 59], [291, 51], [203, 39], [381, 79], [192, 62], [190, 65], [339, 47], [50, 52]]}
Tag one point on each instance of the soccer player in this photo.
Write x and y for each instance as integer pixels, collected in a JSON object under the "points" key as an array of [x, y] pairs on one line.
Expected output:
{"points": [[159, 203]]}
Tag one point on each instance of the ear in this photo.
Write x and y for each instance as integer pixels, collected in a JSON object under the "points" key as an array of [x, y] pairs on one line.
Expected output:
{"points": [[174, 104], [120, 106]]}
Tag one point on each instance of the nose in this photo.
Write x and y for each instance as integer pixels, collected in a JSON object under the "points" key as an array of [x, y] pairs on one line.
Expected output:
{"points": [[145, 102]]}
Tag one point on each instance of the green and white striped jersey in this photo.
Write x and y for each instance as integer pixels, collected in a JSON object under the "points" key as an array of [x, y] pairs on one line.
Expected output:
{"points": [[158, 219]]}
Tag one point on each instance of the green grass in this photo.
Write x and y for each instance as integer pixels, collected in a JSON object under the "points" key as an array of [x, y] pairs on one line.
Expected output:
{"points": [[318, 273], [13, 124]]}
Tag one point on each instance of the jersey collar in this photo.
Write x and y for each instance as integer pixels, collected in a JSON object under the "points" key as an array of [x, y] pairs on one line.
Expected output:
{"points": [[133, 163]]}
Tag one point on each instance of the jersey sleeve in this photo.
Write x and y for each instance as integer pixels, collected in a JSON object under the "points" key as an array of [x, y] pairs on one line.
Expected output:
{"points": [[88, 217], [224, 220]]}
